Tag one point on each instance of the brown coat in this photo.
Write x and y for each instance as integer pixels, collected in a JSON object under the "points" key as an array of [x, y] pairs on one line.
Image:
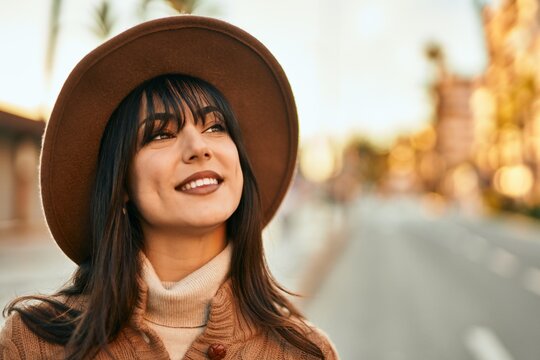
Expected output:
{"points": [[226, 327]]}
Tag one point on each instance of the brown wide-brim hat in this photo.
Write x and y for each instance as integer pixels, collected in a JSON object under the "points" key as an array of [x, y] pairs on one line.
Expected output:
{"points": [[227, 57]]}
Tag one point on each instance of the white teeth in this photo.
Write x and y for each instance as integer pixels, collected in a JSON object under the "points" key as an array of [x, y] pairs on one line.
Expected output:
{"points": [[199, 182]]}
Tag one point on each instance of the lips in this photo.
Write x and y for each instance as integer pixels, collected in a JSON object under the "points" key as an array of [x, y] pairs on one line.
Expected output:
{"points": [[199, 179]]}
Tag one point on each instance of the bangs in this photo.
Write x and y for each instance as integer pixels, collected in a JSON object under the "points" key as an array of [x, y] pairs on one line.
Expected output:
{"points": [[165, 100]]}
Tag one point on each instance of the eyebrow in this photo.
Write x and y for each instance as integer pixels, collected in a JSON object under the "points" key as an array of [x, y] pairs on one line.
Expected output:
{"points": [[156, 116], [208, 109]]}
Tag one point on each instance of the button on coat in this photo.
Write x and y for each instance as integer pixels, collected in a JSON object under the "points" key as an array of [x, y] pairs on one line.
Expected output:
{"points": [[217, 352]]}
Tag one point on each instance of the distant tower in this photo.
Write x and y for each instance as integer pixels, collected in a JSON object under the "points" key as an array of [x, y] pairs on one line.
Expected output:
{"points": [[454, 123]]}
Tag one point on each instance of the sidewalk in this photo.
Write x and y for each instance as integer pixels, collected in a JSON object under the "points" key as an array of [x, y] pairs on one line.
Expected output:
{"points": [[302, 246], [30, 263]]}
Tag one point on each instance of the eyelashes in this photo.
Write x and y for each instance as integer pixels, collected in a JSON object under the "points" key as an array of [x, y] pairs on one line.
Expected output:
{"points": [[160, 130], [166, 132], [162, 136], [217, 127]]}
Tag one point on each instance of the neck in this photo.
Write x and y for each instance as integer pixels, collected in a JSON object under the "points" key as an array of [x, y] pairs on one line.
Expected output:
{"points": [[174, 255]]}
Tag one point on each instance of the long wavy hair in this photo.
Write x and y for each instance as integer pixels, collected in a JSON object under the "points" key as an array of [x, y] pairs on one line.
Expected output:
{"points": [[109, 278]]}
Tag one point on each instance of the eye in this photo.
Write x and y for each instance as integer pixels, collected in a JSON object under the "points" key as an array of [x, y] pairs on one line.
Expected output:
{"points": [[164, 135], [216, 128]]}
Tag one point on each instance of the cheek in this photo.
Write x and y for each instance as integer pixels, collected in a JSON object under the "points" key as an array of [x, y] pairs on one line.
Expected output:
{"points": [[239, 182], [143, 175], [234, 163], [239, 177]]}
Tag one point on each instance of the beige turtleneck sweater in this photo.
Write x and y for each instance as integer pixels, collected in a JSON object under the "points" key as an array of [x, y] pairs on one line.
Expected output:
{"points": [[178, 311], [140, 339]]}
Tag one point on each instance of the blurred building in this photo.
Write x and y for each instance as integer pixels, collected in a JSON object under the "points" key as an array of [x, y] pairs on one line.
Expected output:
{"points": [[440, 158], [454, 123], [487, 130], [507, 104], [20, 140]]}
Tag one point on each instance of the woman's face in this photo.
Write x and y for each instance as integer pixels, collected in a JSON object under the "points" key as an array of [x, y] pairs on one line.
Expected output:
{"points": [[189, 181]]}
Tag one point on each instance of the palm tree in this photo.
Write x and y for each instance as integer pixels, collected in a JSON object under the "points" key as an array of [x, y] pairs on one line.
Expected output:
{"points": [[104, 20], [52, 38], [181, 6], [103, 25]]}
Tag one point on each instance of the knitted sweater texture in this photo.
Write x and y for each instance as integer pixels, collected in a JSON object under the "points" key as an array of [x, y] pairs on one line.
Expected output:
{"points": [[178, 311], [226, 327]]}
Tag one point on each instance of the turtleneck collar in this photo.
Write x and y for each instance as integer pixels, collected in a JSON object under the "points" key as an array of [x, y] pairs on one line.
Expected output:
{"points": [[184, 304]]}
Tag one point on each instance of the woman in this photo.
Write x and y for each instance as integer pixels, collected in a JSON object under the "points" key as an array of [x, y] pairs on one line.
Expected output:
{"points": [[147, 184]]}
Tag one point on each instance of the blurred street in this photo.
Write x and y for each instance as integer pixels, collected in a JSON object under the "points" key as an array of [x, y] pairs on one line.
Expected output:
{"points": [[396, 283], [30, 263], [412, 286]]}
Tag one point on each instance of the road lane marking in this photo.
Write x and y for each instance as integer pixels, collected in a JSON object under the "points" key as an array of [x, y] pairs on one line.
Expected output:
{"points": [[503, 263], [531, 280], [484, 344]]}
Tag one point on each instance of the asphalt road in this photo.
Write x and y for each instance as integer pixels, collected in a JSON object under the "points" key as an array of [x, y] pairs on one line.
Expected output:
{"points": [[409, 285]]}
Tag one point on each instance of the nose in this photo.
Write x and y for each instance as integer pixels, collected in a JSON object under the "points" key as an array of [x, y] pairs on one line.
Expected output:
{"points": [[195, 147]]}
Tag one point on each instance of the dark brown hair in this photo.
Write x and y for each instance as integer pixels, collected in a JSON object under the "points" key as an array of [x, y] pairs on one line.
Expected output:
{"points": [[109, 278]]}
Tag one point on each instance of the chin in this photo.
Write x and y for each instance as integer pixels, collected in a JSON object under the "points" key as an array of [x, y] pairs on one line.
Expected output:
{"points": [[208, 222]]}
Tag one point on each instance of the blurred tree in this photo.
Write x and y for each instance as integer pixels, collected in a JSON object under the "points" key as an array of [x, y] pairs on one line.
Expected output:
{"points": [[435, 54], [104, 23], [371, 165], [104, 20], [52, 38], [181, 6]]}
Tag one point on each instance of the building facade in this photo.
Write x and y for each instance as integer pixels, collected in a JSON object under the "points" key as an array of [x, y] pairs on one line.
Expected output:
{"points": [[20, 141]]}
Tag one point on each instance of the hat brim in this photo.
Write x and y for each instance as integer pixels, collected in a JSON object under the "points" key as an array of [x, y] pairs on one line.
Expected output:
{"points": [[227, 57]]}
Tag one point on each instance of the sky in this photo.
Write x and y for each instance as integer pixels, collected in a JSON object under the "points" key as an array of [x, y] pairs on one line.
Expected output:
{"points": [[357, 67]]}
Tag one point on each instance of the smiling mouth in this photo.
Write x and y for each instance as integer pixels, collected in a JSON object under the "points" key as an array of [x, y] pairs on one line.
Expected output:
{"points": [[198, 183]]}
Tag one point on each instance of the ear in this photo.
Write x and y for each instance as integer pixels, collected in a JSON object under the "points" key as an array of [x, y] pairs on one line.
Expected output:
{"points": [[126, 197]]}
